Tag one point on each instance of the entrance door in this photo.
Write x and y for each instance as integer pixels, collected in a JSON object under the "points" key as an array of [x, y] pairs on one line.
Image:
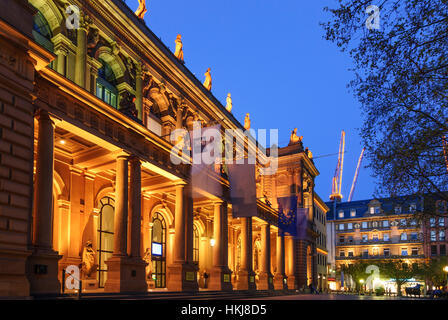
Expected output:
{"points": [[105, 238], [158, 250]]}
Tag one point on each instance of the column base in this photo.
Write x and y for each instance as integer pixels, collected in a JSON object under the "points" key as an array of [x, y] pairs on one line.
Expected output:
{"points": [[279, 282], [182, 277], [292, 282], [125, 274], [13, 278], [246, 281], [266, 282], [42, 271], [220, 279]]}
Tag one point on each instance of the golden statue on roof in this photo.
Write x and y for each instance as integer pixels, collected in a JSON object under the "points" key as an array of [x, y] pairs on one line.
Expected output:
{"points": [[208, 80], [294, 137], [141, 10], [179, 52], [247, 122], [229, 105]]}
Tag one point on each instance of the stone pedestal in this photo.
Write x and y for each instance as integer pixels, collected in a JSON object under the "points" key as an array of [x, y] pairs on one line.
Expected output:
{"points": [[292, 282], [246, 281], [125, 275], [220, 279], [182, 277], [266, 282], [42, 268], [279, 283]]}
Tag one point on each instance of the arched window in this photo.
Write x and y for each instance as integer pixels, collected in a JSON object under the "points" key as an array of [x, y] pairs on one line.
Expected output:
{"points": [[42, 32], [195, 244], [105, 85], [158, 250], [105, 237]]}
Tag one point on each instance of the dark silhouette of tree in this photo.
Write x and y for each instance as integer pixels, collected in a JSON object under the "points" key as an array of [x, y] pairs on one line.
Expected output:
{"points": [[401, 82]]}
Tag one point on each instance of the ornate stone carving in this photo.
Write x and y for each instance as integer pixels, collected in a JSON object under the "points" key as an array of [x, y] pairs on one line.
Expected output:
{"points": [[93, 38], [127, 105]]}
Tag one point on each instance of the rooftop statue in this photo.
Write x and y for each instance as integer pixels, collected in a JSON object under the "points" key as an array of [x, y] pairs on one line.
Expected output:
{"points": [[141, 10], [247, 122], [295, 138], [179, 52], [208, 80], [309, 153], [229, 103]]}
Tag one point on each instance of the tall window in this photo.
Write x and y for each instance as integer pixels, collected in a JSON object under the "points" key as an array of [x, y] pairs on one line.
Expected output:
{"points": [[353, 212], [442, 235], [105, 237], [433, 236], [441, 222], [105, 85], [404, 236], [158, 250], [386, 237], [432, 222], [341, 214], [386, 224], [386, 252], [195, 244], [364, 224]]}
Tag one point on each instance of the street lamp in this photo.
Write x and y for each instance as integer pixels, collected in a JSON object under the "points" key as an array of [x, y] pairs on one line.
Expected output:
{"points": [[361, 281]]}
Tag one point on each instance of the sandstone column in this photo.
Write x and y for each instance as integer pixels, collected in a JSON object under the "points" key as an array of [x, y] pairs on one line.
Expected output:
{"points": [[43, 264], [81, 52], [126, 273], [182, 274], [139, 92], [290, 252], [246, 276], [266, 280], [220, 275], [279, 283]]}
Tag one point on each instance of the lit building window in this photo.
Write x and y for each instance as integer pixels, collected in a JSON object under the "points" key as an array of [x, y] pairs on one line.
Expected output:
{"points": [[386, 223], [350, 226], [364, 225], [341, 226], [404, 251], [432, 222], [353, 212], [413, 222], [398, 209], [375, 224], [365, 238], [404, 236], [105, 85], [386, 237], [442, 235], [433, 236], [341, 214], [403, 222], [441, 222]]}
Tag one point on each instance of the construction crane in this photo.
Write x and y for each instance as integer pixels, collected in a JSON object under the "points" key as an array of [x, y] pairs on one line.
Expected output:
{"points": [[355, 179], [336, 192]]}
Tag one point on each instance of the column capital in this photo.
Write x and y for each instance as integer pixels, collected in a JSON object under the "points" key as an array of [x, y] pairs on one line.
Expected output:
{"points": [[123, 154]]}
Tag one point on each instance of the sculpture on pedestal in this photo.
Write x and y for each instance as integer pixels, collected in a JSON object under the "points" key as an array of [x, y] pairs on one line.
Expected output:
{"points": [[179, 52], [229, 105], [88, 260], [141, 10], [147, 259], [208, 80]]}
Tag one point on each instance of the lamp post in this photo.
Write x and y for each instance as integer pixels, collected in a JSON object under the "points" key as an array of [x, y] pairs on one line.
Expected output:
{"points": [[361, 281]]}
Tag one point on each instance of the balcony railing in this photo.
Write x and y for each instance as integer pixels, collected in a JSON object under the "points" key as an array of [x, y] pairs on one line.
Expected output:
{"points": [[379, 257]]}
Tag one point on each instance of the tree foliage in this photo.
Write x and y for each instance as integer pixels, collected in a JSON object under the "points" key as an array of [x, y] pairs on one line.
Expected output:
{"points": [[401, 82]]}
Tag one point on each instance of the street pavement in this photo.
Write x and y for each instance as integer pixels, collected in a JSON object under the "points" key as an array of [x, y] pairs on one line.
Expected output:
{"points": [[335, 297]]}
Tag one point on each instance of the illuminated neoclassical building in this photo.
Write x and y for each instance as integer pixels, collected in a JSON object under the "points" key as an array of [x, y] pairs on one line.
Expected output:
{"points": [[86, 177]]}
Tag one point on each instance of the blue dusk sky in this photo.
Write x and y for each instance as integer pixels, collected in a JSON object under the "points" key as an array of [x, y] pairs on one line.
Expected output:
{"points": [[272, 57]]}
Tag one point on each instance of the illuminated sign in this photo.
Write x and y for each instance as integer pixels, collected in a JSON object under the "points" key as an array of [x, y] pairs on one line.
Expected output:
{"points": [[156, 249]]}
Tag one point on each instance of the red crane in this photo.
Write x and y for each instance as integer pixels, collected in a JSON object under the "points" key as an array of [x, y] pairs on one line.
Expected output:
{"points": [[355, 179]]}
